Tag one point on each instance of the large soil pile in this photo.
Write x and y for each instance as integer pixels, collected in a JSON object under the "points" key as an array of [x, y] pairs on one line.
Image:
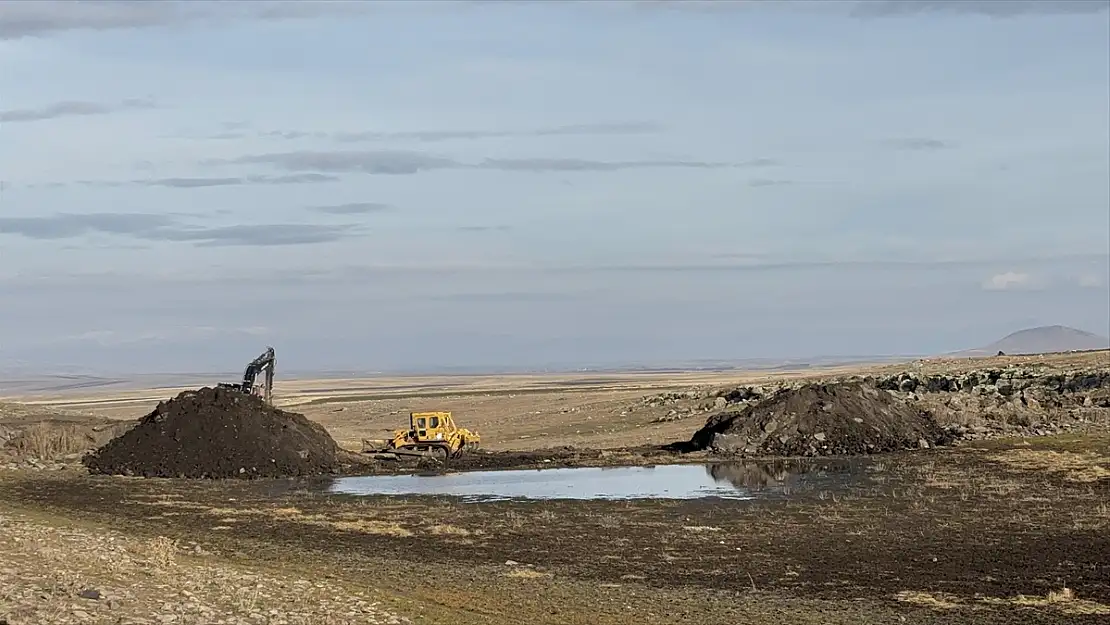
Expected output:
{"points": [[821, 420], [218, 433]]}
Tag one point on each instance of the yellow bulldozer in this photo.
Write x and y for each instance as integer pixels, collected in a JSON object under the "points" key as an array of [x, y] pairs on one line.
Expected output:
{"points": [[429, 433]]}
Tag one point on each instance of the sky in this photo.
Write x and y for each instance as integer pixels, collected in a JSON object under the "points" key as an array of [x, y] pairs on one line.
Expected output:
{"points": [[425, 185]]}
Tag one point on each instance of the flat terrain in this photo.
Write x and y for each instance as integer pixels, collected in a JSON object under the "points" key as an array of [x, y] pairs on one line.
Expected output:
{"points": [[999, 531], [514, 412]]}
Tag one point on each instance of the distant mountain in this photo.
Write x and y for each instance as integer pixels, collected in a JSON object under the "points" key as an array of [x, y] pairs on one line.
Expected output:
{"points": [[1042, 340]]}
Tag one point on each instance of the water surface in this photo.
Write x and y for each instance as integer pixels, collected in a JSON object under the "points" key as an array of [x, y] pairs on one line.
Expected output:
{"points": [[734, 480]]}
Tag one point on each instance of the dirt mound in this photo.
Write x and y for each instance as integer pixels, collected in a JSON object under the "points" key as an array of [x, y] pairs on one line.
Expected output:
{"points": [[218, 433], [821, 420]]}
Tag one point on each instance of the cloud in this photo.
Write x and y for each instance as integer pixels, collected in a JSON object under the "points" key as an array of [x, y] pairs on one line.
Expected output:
{"points": [[254, 235], [39, 18], [191, 183], [506, 297], [1008, 281], [71, 108], [483, 228], [428, 136], [353, 208], [918, 144], [1089, 281], [202, 182], [70, 225], [368, 162], [889, 8], [768, 182], [990, 8], [574, 164], [408, 162], [151, 227], [167, 334]]}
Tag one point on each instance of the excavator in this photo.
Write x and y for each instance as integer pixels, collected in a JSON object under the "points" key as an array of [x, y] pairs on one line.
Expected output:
{"points": [[264, 366], [429, 434]]}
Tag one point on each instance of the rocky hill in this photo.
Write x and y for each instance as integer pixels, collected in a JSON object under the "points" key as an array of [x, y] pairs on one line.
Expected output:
{"points": [[1042, 340]]}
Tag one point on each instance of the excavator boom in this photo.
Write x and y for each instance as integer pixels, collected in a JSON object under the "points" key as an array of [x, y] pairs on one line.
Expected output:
{"points": [[263, 366]]}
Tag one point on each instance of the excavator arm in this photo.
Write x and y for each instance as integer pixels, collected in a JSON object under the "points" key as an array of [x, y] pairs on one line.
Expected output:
{"points": [[264, 366]]}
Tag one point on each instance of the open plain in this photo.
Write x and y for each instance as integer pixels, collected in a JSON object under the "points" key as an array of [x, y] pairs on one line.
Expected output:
{"points": [[1010, 523]]}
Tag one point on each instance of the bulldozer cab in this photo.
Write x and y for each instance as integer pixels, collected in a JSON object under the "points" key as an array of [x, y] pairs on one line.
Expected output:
{"points": [[431, 426]]}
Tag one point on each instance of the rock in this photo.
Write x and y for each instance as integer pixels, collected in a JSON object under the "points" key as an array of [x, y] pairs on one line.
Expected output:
{"points": [[90, 593], [720, 402]]}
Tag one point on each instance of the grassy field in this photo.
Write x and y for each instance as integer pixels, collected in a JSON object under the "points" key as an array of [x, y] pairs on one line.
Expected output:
{"points": [[999, 531]]}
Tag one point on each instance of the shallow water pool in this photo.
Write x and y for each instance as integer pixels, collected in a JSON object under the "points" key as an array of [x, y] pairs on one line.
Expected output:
{"points": [[734, 480]]}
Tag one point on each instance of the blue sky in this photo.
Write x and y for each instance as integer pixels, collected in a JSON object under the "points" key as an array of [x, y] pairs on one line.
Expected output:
{"points": [[385, 185]]}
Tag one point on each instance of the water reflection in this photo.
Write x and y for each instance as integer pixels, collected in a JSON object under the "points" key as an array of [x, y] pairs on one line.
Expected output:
{"points": [[788, 476]]}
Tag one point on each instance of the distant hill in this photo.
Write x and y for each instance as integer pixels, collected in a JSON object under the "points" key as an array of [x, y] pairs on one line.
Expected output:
{"points": [[1042, 340]]}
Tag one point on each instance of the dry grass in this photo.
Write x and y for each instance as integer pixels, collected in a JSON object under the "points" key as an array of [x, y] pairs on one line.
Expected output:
{"points": [[448, 530], [1063, 600], [286, 512], [49, 441], [348, 522], [527, 573], [1080, 467], [547, 515], [610, 521], [514, 520], [160, 551], [369, 526], [939, 601], [701, 528]]}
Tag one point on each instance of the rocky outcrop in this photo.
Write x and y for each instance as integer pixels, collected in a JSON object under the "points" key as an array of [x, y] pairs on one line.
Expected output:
{"points": [[1020, 400]]}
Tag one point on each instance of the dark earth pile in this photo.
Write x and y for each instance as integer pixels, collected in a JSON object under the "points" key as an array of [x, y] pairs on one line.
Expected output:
{"points": [[218, 433], [849, 418]]}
